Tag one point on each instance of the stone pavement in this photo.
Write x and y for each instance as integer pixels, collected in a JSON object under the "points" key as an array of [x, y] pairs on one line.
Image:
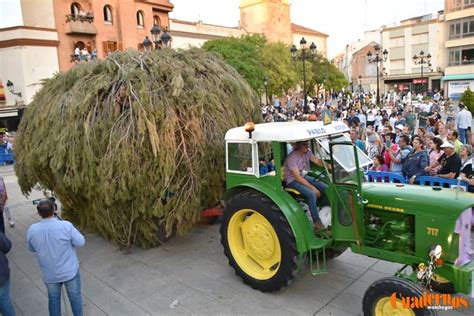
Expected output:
{"points": [[188, 275]]}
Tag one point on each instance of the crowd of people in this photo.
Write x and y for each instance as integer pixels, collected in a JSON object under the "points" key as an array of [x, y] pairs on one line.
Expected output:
{"points": [[409, 135]]}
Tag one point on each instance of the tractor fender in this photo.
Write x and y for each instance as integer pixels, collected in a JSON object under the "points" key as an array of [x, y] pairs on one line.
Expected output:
{"points": [[292, 210]]}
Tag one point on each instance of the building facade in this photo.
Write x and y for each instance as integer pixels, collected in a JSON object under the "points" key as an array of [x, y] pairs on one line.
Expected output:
{"points": [[458, 57], [104, 26], [364, 74], [403, 42]]}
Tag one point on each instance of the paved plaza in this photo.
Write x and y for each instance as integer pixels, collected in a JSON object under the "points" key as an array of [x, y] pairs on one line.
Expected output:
{"points": [[188, 275]]}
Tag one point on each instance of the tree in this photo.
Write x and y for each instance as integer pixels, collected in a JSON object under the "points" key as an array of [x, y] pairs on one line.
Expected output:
{"points": [[324, 74], [254, 58], [243, 54], [278, 66], [468, 99]]}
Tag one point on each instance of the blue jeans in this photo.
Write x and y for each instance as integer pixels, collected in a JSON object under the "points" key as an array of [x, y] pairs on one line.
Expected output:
{"points": [[6, 307], [462, 135], [310, 196], [73, 289]]}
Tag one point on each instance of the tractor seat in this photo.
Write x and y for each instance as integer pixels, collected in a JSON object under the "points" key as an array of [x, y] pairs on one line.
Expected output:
{"points": [[293, 192]]}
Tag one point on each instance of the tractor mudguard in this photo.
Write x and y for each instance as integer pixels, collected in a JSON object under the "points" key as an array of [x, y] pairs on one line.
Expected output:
{"points": [[293, 212]]}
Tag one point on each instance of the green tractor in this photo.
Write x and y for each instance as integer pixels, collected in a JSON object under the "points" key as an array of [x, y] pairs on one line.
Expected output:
{"points": [[268, 236]]}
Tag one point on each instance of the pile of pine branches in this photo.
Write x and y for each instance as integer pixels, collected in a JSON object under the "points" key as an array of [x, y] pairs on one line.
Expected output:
{"points": [[134, 140]]}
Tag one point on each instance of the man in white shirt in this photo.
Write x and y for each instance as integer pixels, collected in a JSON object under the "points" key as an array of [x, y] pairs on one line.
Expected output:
{"points": [[464, 122]]}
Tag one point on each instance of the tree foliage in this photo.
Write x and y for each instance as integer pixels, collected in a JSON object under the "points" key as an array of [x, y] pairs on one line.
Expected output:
{"points": [[468, 99], [254, 58], [134, 140]]}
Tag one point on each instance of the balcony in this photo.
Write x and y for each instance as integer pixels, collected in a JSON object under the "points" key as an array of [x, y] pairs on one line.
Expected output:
{"points": [[80, 24]]}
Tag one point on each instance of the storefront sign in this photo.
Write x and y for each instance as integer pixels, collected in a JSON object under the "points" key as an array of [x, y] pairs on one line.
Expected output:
{"points": [[457, 88], [420, 81]]}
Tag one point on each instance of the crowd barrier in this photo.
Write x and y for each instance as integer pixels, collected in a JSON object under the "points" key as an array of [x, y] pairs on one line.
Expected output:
{"points": [[390, 177]]}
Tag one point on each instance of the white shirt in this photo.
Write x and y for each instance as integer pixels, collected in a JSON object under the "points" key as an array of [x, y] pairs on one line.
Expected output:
{"points": [[427, 107], [464, 119]]}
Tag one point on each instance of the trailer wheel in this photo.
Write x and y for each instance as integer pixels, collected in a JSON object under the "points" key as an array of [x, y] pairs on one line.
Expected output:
{"points": [[379, 300], [258, 242]]}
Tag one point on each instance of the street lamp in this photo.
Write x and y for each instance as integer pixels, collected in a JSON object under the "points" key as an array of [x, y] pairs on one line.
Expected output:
{"points": [[155, 33], [304, 56], [265, 83], [377, 59], [11, 88], [159, 38], [147, 44], [422, 60], [360, 84]]}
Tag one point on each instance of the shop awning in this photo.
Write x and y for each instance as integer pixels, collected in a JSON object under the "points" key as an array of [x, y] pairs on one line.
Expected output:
{"points": [[458, 77]]}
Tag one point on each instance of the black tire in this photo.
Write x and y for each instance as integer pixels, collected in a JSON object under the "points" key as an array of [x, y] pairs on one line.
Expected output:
{"points": [[442, 286], [287, 268], [385, 287]]}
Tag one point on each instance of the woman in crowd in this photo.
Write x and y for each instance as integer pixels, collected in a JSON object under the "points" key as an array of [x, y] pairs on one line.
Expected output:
{"points": [[465, 155], [379, 164], [416, 162], [434, 153]]}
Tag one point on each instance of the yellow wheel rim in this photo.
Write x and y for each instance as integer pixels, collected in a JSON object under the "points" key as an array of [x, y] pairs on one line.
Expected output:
{"points": [[384, 307], [254, 244]]}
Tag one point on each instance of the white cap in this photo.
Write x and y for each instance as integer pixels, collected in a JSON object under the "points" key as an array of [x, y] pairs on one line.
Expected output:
{"points": [[399, 126], [446, 144]]}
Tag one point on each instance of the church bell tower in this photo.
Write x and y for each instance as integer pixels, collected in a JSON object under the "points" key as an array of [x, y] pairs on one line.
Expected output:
{"points": [[268, 17]]}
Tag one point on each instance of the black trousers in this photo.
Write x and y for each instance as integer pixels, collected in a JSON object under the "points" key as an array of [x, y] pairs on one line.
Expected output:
{"points": [[2, 221]]}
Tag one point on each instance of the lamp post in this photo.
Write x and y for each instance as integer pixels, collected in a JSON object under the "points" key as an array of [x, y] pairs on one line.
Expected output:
{"points": [[159, 37], [294, 51], [422, 60], [11, 88], [147, 44], [155, 33], [360, 84], [265, 83], [379, 57]]}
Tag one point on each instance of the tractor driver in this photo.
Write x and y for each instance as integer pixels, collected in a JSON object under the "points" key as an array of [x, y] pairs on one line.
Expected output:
{"points": [[297, 165]]}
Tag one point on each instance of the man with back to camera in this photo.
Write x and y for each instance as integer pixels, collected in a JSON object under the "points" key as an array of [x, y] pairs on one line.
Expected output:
{"points": [[464, 122], [54, 243]]}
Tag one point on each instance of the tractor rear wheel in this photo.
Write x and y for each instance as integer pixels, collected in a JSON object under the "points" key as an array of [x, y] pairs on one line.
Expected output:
{"points": [[379, 300], [259, 242]]}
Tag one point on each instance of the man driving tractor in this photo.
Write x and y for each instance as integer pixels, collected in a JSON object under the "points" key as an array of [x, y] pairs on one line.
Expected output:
{"points": [[297, 165]]}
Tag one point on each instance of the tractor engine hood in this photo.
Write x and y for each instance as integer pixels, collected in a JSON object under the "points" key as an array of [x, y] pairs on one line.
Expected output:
{"points": [[418, 200]]}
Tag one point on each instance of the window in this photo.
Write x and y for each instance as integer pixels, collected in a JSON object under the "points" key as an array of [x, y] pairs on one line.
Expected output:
{"points": [[461, 28], [240, 158], [463, 55], [75, 9], [397, 64], [468, 3], [108, 18], [454, 57], [397, 42], [266, 164], [420, 39], [140, 19], [156, 20]]}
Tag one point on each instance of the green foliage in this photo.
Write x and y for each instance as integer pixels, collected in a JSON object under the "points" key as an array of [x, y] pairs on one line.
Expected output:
{"points": [[243, 54], [468, 99], [278, 66], [324, 74], [254, 58], [134, 140]]}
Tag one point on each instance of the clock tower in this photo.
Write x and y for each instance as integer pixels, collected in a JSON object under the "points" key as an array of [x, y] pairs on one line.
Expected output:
{"points": [[268, 17]]}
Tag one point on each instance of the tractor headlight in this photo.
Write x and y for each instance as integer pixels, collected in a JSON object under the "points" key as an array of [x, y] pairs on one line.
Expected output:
{"points": [[463, 229], [436, 252]]}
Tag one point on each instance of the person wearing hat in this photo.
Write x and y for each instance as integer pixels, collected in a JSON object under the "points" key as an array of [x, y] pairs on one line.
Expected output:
{"points": [[464, 122], [449, 161]]}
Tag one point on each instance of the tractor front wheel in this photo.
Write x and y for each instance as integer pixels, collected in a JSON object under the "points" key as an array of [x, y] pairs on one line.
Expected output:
{"points": [[379, 299], [259, 242]]}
